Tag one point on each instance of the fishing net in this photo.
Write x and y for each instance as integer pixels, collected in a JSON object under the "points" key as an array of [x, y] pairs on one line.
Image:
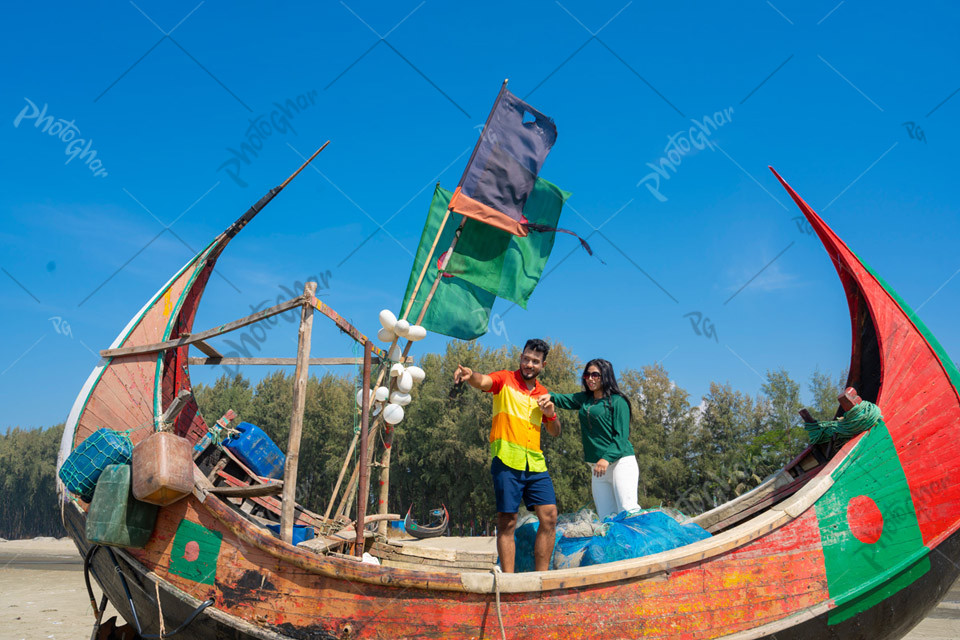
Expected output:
{"points": [[82, 468], [584, 540]]}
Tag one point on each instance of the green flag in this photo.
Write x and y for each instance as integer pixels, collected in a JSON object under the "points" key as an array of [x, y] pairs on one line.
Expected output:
{"points": [[458, 309], [501, 263]]}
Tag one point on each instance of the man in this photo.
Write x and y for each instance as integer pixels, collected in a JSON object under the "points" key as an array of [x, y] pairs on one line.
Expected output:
{"points": [[518, 467]]}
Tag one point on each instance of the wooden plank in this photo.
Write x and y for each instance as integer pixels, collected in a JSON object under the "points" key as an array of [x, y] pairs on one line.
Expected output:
{"points": [[296, 419], [285, 361], [203, 335], [249, 491], [345, 326], [206, 348]]}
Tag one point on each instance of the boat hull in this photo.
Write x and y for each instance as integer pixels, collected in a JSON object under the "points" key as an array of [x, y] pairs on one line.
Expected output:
{"points": [[864, 550]]}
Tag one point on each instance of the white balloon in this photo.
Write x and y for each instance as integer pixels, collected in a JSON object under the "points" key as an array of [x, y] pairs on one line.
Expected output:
{"points": [[416, 332], [360, 397], [387, 319], [394, 353], [392, 414], [402, 399], [382, 393], [405, 382], [396, 370], [385, 335], [401, 328], [416, 373]]}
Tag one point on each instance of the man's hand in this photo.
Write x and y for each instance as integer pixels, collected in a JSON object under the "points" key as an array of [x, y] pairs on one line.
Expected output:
{"points": [[546, 406], [462, 374], [600, 468]]}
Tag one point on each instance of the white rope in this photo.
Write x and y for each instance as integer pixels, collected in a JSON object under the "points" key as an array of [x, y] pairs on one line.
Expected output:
{"points": [[159, 610], [496, 584]]}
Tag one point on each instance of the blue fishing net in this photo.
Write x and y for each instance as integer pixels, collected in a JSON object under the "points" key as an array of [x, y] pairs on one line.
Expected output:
{"points": [[583, 540], [83, 466]]}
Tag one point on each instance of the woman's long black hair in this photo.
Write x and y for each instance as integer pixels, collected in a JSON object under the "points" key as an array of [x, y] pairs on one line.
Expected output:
{"points": [[608, 381]]}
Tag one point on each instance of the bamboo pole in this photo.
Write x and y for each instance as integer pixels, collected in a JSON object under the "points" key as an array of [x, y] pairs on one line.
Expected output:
{"points": [[364, 470], [388, 438], [296, 419]]}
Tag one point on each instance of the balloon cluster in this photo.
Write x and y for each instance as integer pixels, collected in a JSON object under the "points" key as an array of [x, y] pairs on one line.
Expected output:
{"points": [[405, 376]]}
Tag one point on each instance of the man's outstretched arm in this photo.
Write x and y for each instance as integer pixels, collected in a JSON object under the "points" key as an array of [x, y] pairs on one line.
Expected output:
{"points": [[476, 380]]}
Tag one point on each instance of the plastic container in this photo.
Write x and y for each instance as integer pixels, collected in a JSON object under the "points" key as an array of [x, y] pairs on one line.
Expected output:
{"points": [[84, 465], [162, 468], [301, 532], [115, 517], [255, 449]]}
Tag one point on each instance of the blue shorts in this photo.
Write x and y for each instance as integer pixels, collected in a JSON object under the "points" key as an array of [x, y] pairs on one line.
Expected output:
{"points": [[536, 488]]}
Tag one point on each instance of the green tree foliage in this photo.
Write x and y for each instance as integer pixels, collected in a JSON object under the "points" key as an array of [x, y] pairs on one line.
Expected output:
{"points": [[28, 483], [783, 436], [824, 392], [661, 432], [692, 456]]}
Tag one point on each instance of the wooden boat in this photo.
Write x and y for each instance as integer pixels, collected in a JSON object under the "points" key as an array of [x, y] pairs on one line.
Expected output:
{"points": [[427, 531], [857, 542]]}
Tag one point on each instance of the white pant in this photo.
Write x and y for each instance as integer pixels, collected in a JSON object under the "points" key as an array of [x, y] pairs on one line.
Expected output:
{"points": [[616, 490]]}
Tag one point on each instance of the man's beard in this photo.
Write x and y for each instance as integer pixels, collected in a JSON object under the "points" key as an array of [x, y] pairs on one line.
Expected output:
{"points": [[526, 376]]}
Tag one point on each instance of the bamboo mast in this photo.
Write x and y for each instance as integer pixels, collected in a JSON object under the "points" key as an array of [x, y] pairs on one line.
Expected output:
{"points": [[296, 419]]}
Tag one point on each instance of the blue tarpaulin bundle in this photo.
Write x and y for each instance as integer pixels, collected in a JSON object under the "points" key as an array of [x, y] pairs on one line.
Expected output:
{"points": [[582, 540]]}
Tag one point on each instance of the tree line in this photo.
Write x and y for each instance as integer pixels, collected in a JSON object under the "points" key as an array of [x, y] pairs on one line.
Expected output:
{"points": [[692, 455]]}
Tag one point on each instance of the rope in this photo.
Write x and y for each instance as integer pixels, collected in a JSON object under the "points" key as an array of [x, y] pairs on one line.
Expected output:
{"points": [[159, 609], [496, 585], [218, 434], [861, 417]]}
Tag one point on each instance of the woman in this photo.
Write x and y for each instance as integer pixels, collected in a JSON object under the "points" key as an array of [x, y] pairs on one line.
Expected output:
{"points": [[605, 414]]}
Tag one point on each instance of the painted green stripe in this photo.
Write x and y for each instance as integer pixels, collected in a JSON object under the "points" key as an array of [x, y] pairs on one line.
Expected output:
{"points": [[860, 575], [949, 366]]}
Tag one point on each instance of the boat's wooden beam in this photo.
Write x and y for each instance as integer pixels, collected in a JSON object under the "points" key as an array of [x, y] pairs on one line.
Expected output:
{"points": [[283, 361], [287, 511], [176, 406], [210, 333], [345, 326], [250, 491], [206, 348]]}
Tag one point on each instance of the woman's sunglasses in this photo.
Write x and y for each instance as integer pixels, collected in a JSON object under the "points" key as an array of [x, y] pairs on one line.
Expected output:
{"points": [[591, 374]]}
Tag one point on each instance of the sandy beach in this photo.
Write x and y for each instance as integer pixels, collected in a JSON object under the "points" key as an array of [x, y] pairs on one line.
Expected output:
{"points": [[43, 597]]}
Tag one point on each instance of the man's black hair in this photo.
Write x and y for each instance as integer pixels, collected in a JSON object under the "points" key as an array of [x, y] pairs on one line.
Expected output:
{"points": [[536, 344]]}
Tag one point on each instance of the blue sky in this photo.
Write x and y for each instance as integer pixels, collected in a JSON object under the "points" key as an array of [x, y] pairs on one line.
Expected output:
{"points": [[852, 102]]}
